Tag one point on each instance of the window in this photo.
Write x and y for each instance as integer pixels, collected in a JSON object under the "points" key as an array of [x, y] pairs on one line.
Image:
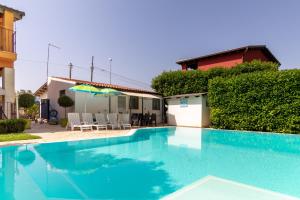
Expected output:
{"points": [[155, 104], [62, 92], [134, 103], [121, 103]]}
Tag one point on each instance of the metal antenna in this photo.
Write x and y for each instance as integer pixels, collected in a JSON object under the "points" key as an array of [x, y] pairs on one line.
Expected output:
{"points": [[92, 69]]}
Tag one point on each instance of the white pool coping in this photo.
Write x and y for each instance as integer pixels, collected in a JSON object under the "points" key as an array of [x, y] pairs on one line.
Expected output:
{"points": [[215, 188]]}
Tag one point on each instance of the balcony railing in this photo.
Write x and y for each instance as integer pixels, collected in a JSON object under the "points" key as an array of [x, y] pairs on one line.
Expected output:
{"points": [[7, 40]]}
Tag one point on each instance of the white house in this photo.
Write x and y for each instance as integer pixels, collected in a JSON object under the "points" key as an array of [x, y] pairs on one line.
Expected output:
{"points": [[132, 101], [188, 110]]}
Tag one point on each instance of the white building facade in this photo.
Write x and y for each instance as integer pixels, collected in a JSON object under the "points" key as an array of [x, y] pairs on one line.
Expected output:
{"points": [[188, 110], [132, 101]]}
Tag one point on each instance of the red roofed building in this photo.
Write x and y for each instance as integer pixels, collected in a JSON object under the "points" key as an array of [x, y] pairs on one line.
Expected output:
{"points": [[228, 58]]}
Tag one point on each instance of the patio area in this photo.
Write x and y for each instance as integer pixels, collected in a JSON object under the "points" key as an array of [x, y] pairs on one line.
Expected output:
{"points": [[55, 133]]}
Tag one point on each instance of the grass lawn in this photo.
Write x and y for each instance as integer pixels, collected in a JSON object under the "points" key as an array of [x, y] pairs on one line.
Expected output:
{"points": [[17, 136]]}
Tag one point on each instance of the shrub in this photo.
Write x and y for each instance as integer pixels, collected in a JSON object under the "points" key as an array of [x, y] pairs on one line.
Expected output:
{"points": [[196, 81], [65, 101], [28, 124], [262, 101], [63, 122], [33, 111], [12, 126]]}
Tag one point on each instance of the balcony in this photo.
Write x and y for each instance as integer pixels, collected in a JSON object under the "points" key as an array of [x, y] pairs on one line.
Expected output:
{"points": [[7, 40]]}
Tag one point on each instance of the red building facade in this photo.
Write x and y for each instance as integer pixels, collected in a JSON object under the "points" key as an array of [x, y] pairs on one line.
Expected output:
{"points": [[229, 58]]}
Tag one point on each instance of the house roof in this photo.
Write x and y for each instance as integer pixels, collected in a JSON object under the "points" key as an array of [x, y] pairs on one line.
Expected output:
{"points": [[44, 87], [186, 95], [41, 90], [17, 13], [245, 48]]}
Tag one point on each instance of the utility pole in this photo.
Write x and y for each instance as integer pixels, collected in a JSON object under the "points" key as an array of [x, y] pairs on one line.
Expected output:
{"points": [[92, 69], [70, 70]]}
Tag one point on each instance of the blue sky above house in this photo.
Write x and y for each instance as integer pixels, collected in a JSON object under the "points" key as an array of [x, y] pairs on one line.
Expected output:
{"points": [[145, 38]]}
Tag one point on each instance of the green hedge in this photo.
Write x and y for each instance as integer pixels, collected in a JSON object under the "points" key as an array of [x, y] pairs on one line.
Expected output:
{"points": [[195, 81], [262, 101], [12, 126]]}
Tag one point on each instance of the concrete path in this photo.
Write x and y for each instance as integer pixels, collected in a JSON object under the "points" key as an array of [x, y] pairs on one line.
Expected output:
{"points": [[55, 133]]}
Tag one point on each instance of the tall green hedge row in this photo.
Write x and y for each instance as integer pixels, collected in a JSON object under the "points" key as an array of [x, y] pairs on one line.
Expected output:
{"points": [[195, 81], [262, 101]]}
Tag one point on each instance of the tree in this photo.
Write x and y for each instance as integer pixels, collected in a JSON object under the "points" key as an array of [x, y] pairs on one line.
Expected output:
{"points": [[65, 102], [26, 100]]}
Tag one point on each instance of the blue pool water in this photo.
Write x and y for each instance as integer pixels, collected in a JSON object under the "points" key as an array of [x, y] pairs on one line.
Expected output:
{"points": [[149, 165]]}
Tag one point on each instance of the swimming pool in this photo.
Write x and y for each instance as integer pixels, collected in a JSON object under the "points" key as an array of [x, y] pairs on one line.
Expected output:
{"points": [[150, 164]]}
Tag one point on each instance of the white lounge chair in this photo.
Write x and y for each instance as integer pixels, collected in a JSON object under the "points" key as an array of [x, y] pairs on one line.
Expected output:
{"points": [[113, 120], [87, 118], [74, 122], [125, 123], [101, 120]]}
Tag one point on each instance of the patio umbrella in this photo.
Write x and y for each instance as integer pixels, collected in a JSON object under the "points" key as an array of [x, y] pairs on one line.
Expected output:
{"points": [[107, 92], [85, 88]]}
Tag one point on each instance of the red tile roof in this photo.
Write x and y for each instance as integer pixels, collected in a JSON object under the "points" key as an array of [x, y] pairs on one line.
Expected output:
{"points": [[262, 47], [43, 88]]}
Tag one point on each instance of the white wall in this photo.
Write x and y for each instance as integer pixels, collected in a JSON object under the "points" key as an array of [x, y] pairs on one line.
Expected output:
{"points": [[205, 111], [8, 84], [96, 104], [195, 114], [53, 94]]}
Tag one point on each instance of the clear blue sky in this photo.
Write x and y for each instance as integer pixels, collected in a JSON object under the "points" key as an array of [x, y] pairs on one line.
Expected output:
{"points": [[143, 37]]}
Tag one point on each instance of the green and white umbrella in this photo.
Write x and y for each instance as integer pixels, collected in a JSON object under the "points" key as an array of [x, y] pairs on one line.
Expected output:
{"points": [[85, 88], [107, 92]]}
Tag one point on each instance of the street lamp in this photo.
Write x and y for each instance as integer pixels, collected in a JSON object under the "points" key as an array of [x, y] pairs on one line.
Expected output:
{"points": [[50, 45], [109, 99]]}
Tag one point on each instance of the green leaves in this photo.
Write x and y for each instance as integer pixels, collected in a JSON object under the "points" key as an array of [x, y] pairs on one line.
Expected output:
{"points": [[65, 101], [261, 101], [26, 100], [195, 81], [12, 126]]}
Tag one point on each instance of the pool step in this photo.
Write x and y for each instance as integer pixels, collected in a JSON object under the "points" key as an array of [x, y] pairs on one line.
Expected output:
{"points": [[214, 188]]}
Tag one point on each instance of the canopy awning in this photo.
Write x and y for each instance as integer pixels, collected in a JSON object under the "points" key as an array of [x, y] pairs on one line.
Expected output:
{"points": [[151, 96]]}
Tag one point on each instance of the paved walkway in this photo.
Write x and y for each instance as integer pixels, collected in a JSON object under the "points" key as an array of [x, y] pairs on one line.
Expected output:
{"points": [[55, 133]]}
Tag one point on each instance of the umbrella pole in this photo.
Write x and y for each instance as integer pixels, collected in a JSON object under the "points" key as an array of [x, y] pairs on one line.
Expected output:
{"points": [[109, 104], [85, 104]]}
